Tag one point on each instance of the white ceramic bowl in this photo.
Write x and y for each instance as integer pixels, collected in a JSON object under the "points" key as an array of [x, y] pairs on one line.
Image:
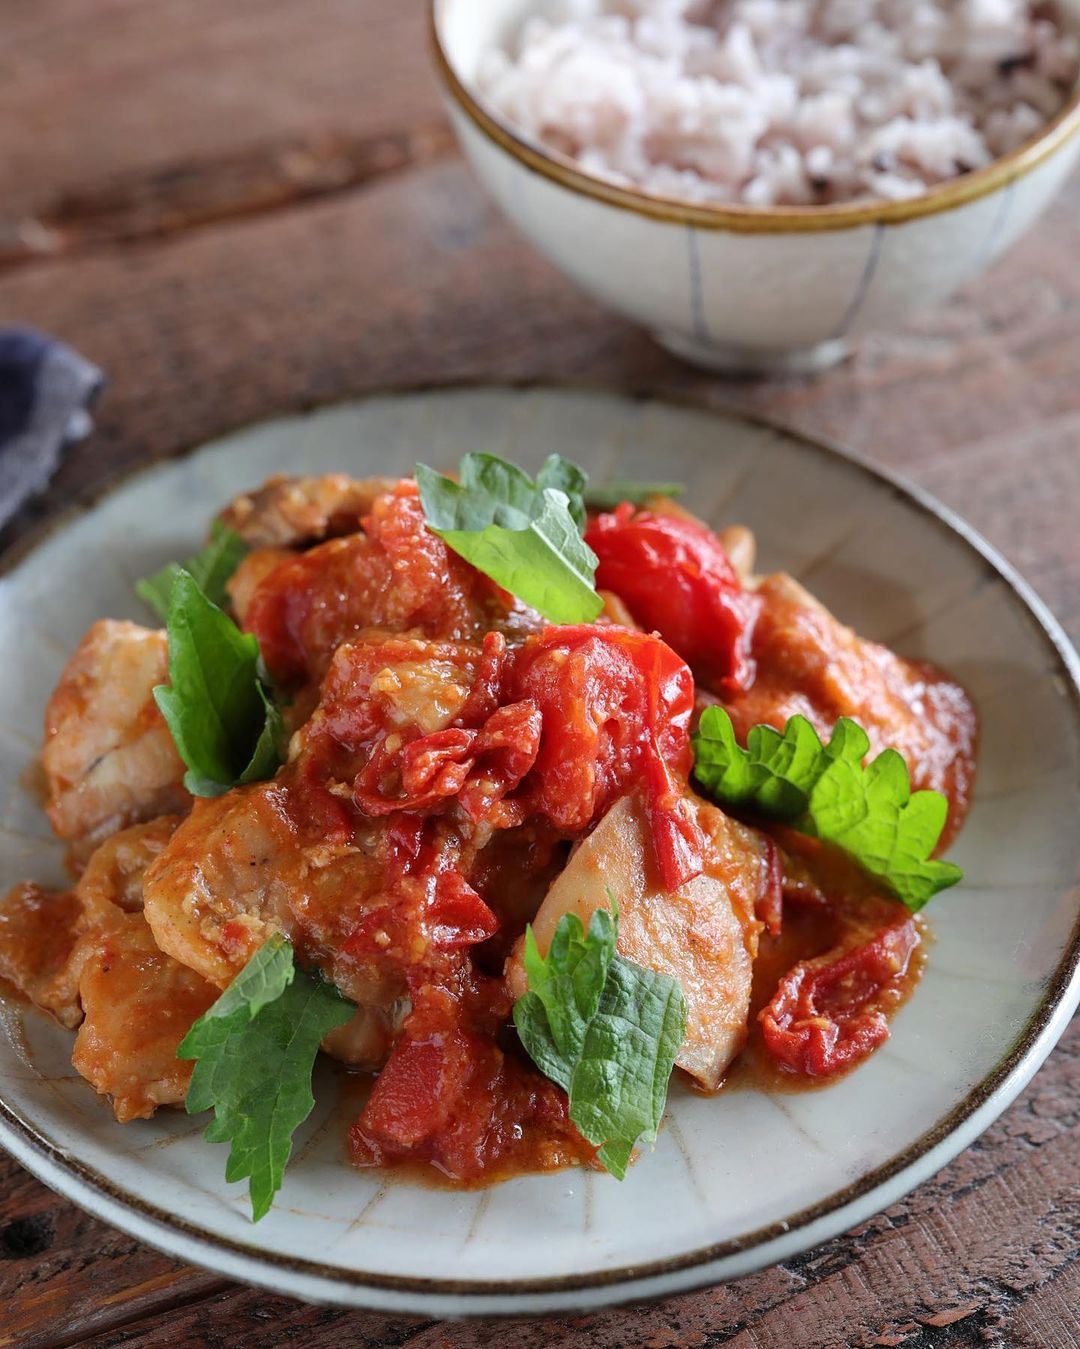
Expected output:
{"points": [[740, 287]]}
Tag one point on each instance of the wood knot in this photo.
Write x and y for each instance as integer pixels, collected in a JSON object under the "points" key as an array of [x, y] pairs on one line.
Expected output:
{"points": [[25, 1237]]}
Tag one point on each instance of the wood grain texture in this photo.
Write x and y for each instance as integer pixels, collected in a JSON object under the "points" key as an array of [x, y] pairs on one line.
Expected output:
{"points": [[91, 93], [415, 279], [261, 211]]}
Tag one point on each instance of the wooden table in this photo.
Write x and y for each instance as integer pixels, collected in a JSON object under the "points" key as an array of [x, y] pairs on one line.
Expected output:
{"points": [[238, 209]]}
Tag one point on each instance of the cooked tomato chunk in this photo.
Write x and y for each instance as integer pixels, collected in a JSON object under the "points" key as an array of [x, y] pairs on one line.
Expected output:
{"points": [[108, 756], [451, 1096], [616, 708], [674, 575], [396, 576], [827, 1013]]}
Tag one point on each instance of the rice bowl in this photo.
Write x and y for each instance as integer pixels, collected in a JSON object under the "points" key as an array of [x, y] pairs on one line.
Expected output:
{"points": [[725, 284], [793, 102]]}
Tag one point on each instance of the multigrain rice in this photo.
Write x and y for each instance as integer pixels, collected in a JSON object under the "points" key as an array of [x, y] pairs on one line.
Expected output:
{"points": [[790, 102]]}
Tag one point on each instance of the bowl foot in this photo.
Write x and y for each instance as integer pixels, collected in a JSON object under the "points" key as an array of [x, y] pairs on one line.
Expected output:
{"points": [[733, 359]]}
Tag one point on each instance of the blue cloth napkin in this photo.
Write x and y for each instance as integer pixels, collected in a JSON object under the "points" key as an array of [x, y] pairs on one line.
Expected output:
{"points": [[46, 391]]}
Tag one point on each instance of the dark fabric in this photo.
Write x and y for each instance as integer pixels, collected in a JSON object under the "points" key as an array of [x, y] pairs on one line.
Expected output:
{"points": [[46, 390]]}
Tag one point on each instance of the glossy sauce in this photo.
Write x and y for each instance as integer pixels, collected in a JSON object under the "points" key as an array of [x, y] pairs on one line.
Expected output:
{"points": [[804, 936], [449, 751]]}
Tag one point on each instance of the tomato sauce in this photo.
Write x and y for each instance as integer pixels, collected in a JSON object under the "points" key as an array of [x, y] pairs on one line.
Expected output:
{"points": [[479, 766], [451, 1095], [483, 752], [806, 935], [394, 576], [450, 755]]}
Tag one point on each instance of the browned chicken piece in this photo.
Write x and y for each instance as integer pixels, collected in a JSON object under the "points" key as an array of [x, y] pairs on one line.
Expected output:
{"points": [[88, 957], [41, 931], [108, 757], [38, 936], [245, 580], [287, 511], [238, 870], [615, 610], [139, 1004], [705, 934], [224, 885], [113, 877], [809, 663]]}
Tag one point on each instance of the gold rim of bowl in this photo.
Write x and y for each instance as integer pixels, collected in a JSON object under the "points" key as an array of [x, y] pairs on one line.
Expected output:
{"points": [[945, 196]]}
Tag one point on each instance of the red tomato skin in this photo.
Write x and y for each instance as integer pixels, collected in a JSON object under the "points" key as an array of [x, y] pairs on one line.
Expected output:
{"points": [[822, 1019], [616, 707], [555, 730], [396, 576], [675, 578], [451, 1096]]}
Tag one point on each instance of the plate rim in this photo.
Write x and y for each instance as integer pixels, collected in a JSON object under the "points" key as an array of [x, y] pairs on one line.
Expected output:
{"points": [[706, 1265]]}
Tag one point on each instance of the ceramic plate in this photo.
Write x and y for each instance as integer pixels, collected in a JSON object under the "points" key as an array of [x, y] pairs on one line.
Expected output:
{"points": [[737, 1182]]}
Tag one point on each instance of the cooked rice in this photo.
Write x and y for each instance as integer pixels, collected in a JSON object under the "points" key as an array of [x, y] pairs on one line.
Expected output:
{"points": [[783, 101]]}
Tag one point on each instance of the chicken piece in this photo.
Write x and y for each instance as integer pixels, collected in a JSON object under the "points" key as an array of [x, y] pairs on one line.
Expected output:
{"points": [[615, 611], [254, 568], [704, 934], [287, 511], [139, 1004], [366, 1040], [41, 931], [38, 937], [239, 870], [741, 547], [810, 664], [113, 878], [223, 886], [89, 957], [108, 757]]}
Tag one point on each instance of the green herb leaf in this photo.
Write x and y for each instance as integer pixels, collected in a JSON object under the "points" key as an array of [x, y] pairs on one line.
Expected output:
{"points": [[255, 1050], [612, 494], [606, 1030], [564, 476], [824, 791], [525, 535], [211, 569], [223, 724]]}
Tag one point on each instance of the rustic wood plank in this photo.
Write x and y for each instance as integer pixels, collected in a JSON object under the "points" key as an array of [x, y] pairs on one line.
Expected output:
{"points": [[97, 92], [180, 197], [64, 1275], [416, 279]]}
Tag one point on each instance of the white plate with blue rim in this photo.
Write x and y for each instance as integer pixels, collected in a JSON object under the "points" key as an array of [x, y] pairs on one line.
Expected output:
{"points": [[737, 1181]]}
